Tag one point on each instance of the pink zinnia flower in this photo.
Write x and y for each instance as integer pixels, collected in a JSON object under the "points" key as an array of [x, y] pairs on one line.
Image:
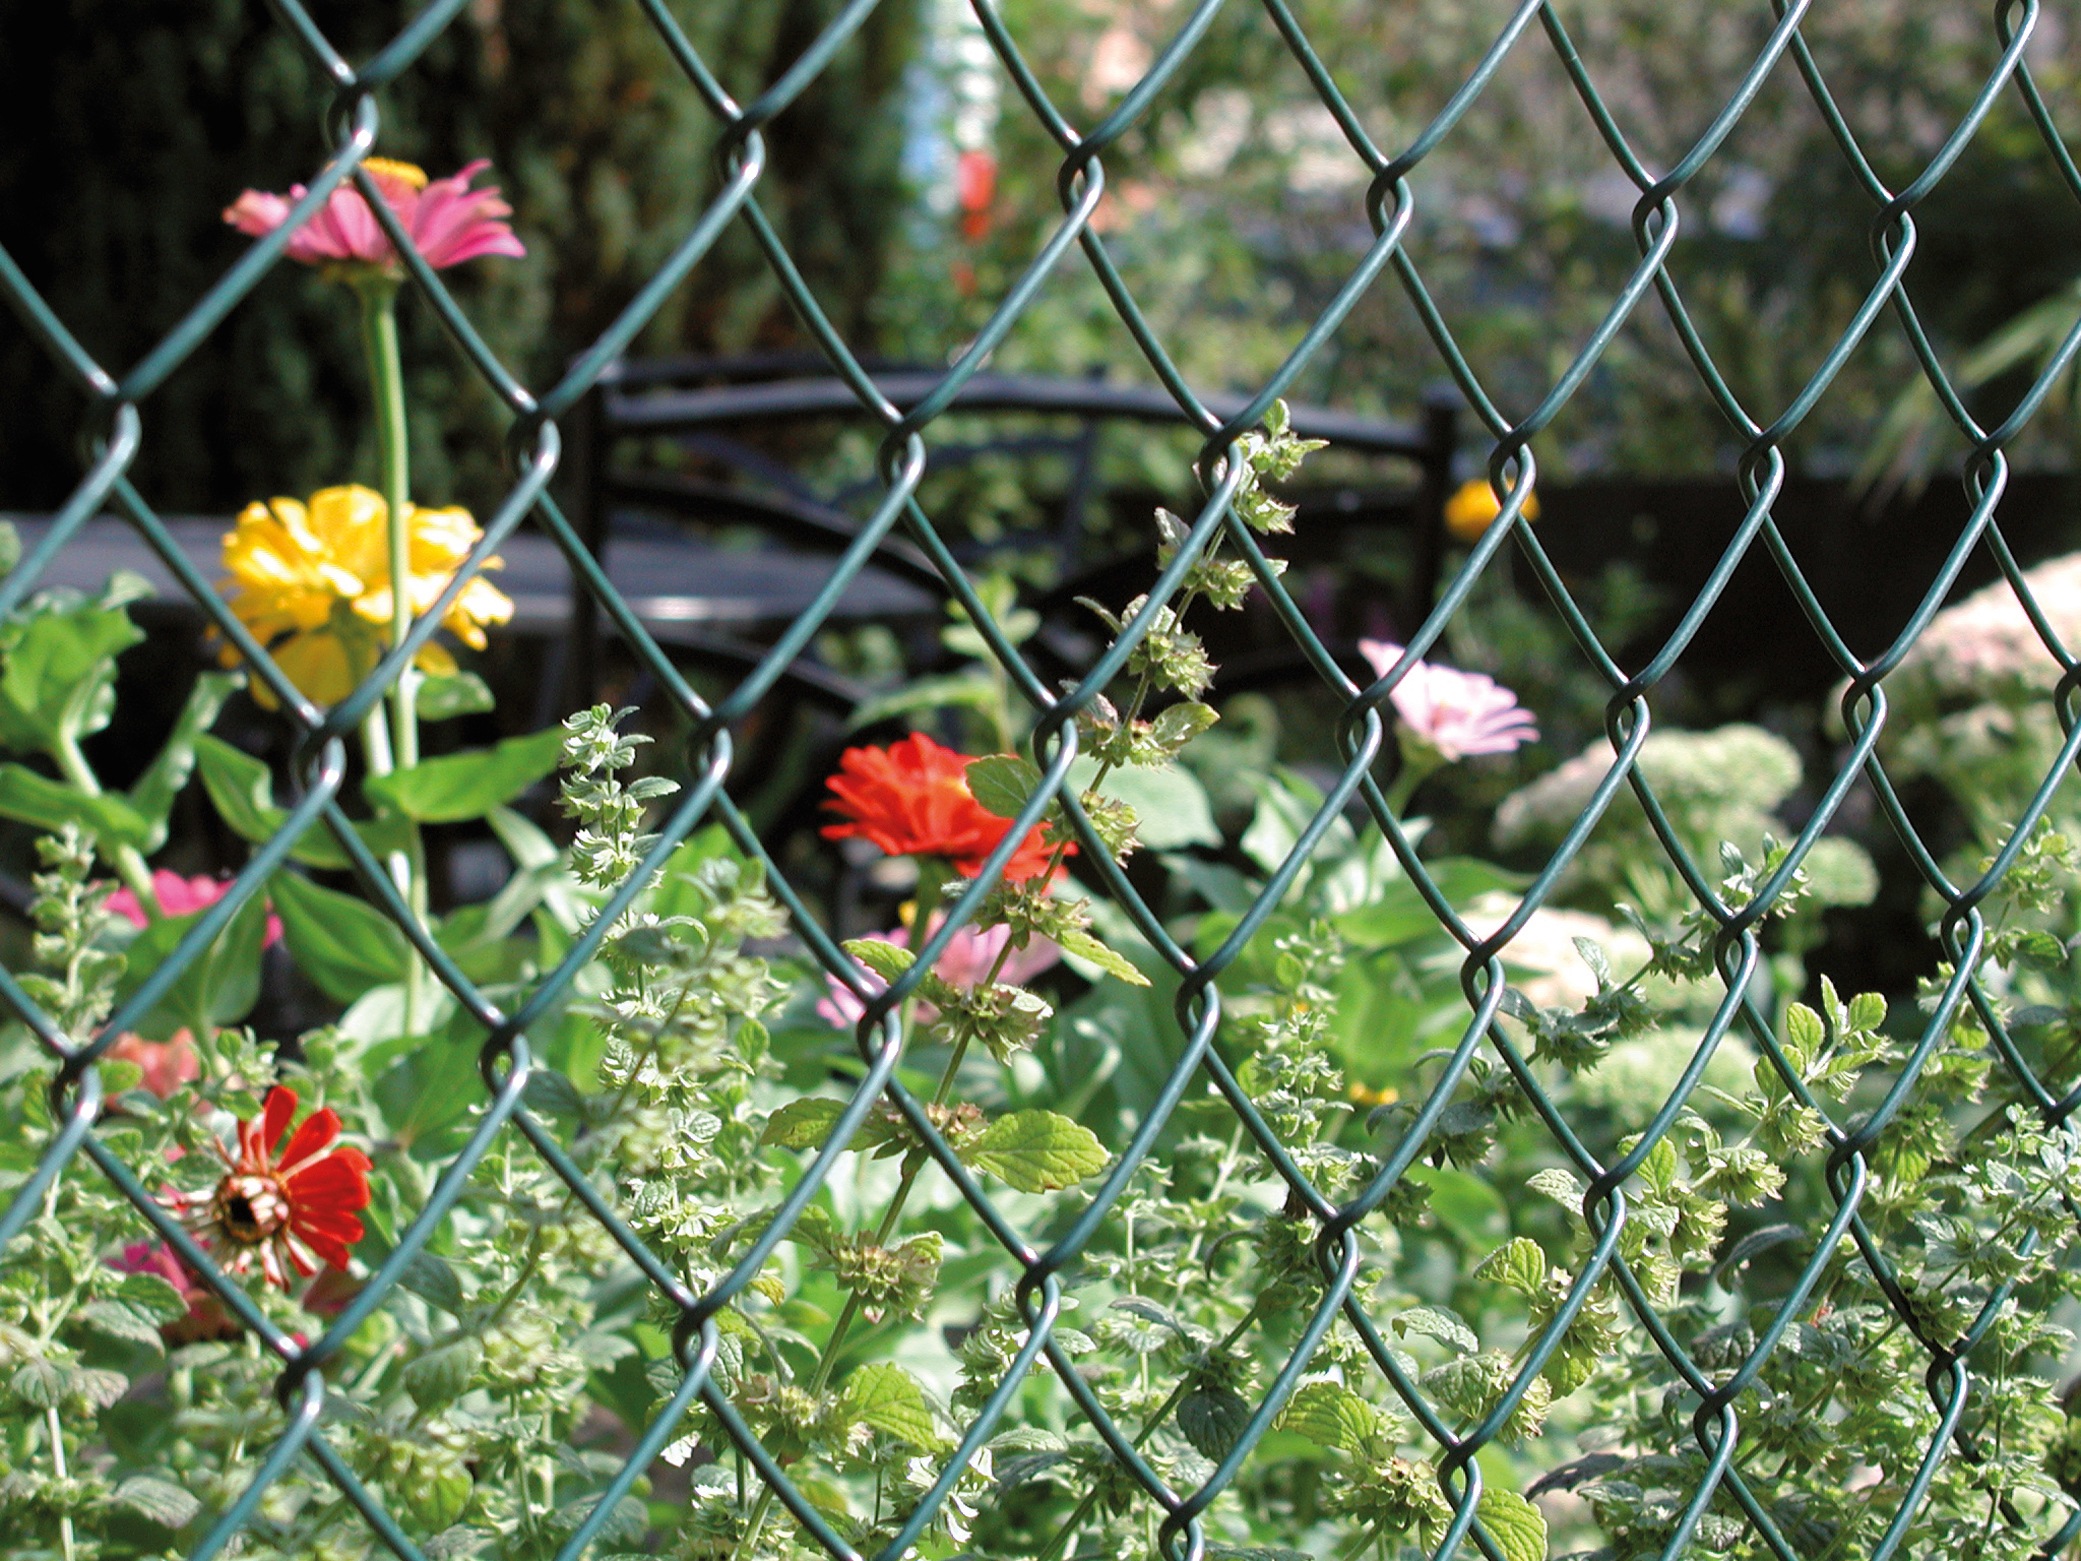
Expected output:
{"points": [[178, 896], [968, 959], [448, 221], [1458, 714]]}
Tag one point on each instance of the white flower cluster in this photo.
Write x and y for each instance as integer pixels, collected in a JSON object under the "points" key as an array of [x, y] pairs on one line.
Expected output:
{"points": [[1987, 644]]}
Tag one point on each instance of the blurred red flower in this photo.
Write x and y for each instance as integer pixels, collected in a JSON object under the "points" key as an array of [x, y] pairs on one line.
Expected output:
{"points": [[912, 799]]}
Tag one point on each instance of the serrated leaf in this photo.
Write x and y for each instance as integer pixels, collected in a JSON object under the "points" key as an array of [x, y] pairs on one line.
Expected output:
{"points": [[888, 1399], [432, 1278], [1003, 783], [157, 1501], [803, 1124], [1559, 1185], [37, 1383], [121, 1320], [1331, 1415], [1804, 1034], [1178, 724], [1212, 1419], [1754, 1244], [885, 959], [1018, 1470], [553, 1094], [156, 1297], [1517, 1527], [1076, 941], [1518, 1263], [1037, 1151], [95, 1385], [442, 1375], [1434, 1322]]}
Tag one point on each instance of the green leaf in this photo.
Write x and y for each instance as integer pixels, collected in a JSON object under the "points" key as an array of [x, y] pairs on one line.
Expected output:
{"points": [[38, 1384], [154, 1296], [804, 1123], [58, 664], [242, 791], [1331, 1415], [885, 959], [1178, 724], [433, 1279], [442, 1375], [1212, 1418], [1435, 1322], [1037, 1151], [345, 945], [1804, 1035], [1171, 807], [974, 690], [1518, 1263], [157, 1501], [154, 793], [1559, 1185], [1082, 945], [121, 1320], [50, 805], [1517, 1527], [464, 786], [888, 1399], [452, 694], [1003, 783], [10, 547], [218, 988]]}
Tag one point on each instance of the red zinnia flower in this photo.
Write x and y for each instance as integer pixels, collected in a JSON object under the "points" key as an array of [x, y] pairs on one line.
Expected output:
{"points": [[292, 1211], [912, 799]]}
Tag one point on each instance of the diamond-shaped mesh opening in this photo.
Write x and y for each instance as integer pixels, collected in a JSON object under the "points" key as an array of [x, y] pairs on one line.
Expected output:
{"points": [[1222, 1164]]}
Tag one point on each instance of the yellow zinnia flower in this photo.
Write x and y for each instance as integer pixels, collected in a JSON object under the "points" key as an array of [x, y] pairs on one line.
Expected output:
{"points": [[312, 582], [1472, 509]]}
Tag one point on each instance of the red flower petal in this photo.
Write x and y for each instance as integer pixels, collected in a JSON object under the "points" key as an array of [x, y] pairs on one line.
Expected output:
{"points": [[320, 1128]]}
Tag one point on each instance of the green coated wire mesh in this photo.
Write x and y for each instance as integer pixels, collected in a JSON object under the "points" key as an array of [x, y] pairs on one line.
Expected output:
{"points": [[121, 403]]}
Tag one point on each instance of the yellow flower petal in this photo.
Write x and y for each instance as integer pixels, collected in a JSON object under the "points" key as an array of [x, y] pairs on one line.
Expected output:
{"points": [[318, 664], [1472, 509]]}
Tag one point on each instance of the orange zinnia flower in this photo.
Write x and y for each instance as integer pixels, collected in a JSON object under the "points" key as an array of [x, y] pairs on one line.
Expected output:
{"points": [[291, 1212], [912, 799]]}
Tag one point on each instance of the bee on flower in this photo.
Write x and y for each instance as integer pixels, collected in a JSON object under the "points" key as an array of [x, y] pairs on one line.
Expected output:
{"points": [[288, 1208], [312, 582]]}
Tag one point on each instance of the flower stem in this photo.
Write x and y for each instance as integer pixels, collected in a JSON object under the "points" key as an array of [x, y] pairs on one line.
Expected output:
{"points": [[128, 861], [930, 887], [387, 389], [57, 1436]]}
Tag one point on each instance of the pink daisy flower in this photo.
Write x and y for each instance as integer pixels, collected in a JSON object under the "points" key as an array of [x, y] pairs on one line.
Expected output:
{"points": [[1458, 714], [448, 221]]}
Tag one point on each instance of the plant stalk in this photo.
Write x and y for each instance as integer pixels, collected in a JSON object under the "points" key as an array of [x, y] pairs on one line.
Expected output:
{"points": [[128, 861], [387, 391]]}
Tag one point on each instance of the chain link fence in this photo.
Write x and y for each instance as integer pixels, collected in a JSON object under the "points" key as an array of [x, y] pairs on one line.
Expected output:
{"points": [[120, 403]]}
